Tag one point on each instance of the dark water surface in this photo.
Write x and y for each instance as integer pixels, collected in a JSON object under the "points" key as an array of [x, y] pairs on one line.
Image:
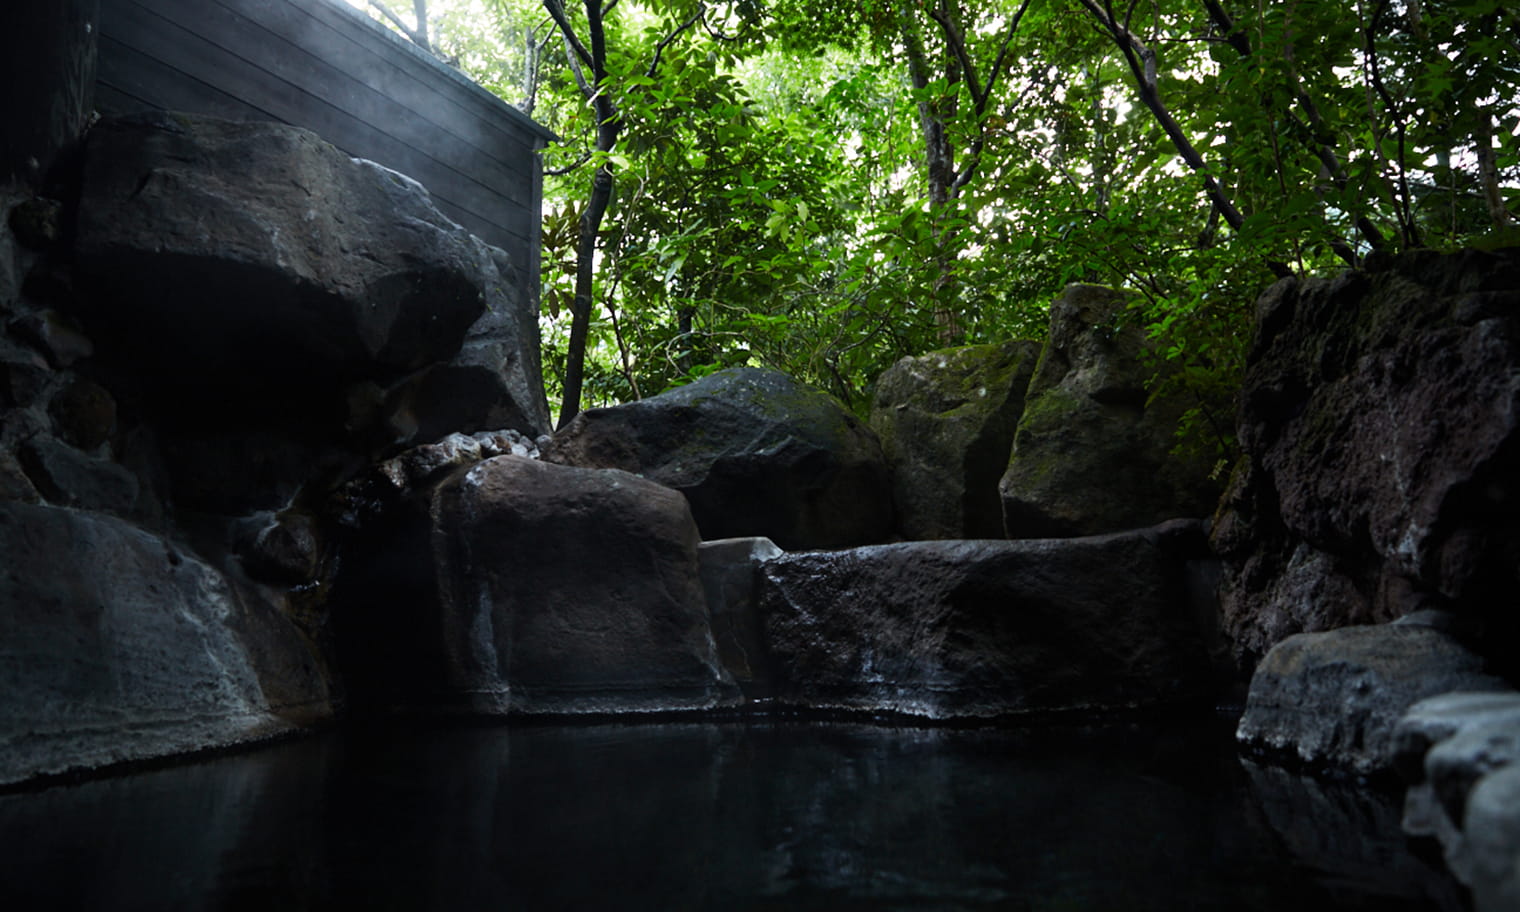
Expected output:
{"points": [[724, 816]]}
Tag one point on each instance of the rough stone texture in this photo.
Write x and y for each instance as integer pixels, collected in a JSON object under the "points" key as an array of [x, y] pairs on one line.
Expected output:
{"points": [[249, 247], [553, 590], [946, 422], [755, 453], [1093, 451], [1378, 422], [730, 569], [1437, 718], [1334, 698], [70, 478], [280, 313], [1458, 754], [985, 628], [119, 647], [495, 381], [1493, 841]]}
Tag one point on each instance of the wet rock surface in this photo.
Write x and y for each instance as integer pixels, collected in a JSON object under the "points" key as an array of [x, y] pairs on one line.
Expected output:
{"points": [[984, 628], [731, 580], [537, 588], [946, 422], [1093, 449], [755, 453], [1379, 425]]}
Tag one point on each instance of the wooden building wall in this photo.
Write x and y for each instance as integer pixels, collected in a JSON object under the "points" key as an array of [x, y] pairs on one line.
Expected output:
{"points": [[322, 65]]}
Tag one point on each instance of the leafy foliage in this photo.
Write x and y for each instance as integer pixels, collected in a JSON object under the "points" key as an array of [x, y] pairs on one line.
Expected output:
{"points": [[777, 200]]}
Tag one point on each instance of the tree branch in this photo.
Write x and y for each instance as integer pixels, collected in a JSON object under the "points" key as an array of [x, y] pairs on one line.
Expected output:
{"points": [[1142, 64], [419, 37], [659, 49], [556, 10]]}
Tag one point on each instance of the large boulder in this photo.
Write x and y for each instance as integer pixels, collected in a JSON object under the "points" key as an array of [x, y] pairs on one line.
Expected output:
{"points": [[987, 628], [1334, 698], [119, 647], [520, 586], [755, 453], [1379, 424], [260, 252], [281, 312], [1094, 448], [946, 422]]}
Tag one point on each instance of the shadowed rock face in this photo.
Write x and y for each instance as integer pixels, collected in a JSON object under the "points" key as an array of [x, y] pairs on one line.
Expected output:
{"points": [[258, 247], [1093, 452], [946, 422], [527, 587], [755, 453], [280, 311], [984, 628], [1379, 423], [219, 324], [1334, 698], [120, 647]]}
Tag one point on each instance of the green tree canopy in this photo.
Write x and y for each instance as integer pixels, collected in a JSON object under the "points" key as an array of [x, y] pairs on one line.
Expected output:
{"points": [[824, 186]]}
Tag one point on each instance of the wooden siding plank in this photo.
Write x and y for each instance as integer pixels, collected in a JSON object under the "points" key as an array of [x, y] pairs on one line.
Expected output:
{"points": [[198, 60], [421, 65], [133, 81], [236, 36]]}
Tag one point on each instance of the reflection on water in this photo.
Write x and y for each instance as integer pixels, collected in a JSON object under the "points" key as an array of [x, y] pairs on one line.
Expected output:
{"points": [[792, 816]]}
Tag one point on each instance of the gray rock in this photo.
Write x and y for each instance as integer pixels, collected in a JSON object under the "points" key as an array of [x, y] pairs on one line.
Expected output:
{"points": [[730, 569], [55, 335], [70, 478], [1454, 766], [1434, 719], [119, 647], [328, 314], [1335, 697], [755, 453], [946, 422], [1493, 841], [1093, 451], [14, 485], [555, 590], [1405, 380], [257, 247], [286, 548], [83, 414], [986, 628]]}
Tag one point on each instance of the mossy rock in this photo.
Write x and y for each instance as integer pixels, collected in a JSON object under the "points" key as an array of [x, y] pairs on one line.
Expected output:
{"points": [[946, 422], [755, 453], [1094, 448]]}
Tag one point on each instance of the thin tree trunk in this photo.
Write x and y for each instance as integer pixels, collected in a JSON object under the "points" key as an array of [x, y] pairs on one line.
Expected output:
{"points": [[1142, 64]]}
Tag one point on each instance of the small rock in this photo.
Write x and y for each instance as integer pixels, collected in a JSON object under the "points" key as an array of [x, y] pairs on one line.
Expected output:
{"points": [[35, 222], [83, 414], [70, 478], [55, 336]]}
